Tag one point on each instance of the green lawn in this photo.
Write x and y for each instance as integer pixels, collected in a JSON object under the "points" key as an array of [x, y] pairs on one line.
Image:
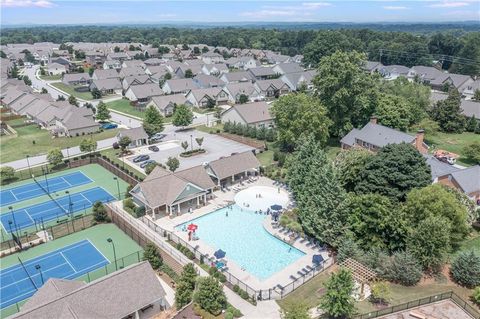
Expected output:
{"points": [[70, 90], [206, 129], [266, 157], [472, 242], [17, 147], [100, 178], [127, 252], [453, 143], [51, 77], [124, 106]]}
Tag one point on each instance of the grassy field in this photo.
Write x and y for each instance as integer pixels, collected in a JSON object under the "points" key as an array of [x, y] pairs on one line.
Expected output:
{"points": [[206, 129], [472, 242], [453, 143], [100, 177], [51, 77], [125, 107], [70, 90], [17, 147], [127, 252]]}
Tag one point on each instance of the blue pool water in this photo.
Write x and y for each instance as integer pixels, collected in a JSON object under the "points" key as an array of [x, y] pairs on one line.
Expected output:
{"points": [[242, 236]]}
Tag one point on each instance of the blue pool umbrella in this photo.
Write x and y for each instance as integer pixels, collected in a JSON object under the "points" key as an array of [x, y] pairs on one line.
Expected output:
{"points": [[219, 254], [317, 259], [276, 207]]}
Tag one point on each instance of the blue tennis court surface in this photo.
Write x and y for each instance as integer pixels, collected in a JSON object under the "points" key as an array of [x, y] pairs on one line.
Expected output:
{"points": [[68, 262], [49, 210], [32, 190]]}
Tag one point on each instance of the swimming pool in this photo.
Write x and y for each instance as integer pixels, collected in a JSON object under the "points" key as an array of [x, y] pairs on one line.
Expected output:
{"points": [[242, 236]]}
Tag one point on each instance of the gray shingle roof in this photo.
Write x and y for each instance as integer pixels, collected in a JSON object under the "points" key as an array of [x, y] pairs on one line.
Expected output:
{"points": [[439, 168], [241, 76], [262, 71], [105, 74], [107, 84], [235, 164], [468, 179], [180, 85], [135, 133], [114, 296], [381, 136], [289, 67], [252, 112], [164, 100], [144, 91], [470, 107]]}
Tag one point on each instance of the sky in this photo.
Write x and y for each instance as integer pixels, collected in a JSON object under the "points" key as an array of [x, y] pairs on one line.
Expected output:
{"points": [[136, 11]]}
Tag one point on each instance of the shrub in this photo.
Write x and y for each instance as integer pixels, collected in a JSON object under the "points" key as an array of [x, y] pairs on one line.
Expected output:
{"points": [[404, 269], [244, 294], [466, 269], [236, 288], [476, 296], [380, 292], [99, 213], [152, 255], [222, 277], [210, 296], [139, 211], [229, 315]]}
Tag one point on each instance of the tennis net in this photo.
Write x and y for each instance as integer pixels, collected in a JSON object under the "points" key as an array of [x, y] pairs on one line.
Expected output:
{"points": [[50, 195]]}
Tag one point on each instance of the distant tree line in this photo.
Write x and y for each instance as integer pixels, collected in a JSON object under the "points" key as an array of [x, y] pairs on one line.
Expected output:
{"points": [[390, 47]]}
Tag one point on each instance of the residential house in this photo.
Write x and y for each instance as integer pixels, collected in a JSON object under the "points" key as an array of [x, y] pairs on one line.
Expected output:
{"points": [[297, 58], [372, 66], [212, 58], [254, 114], [295, 81], [271, 88], [133, 64], [165, 193], [207, 97], [469, 90], [11, 95], [263, 73], [95, 58], [206, 81], [227, 170], [135, 80], [166, 103], [465, 180], [63, 61], [141, 94], [277, 58], [391, 72], [374, 136], [153, 62], [152, 69], [6, 67], [236, 90], [438, 168], [285, 68], [120, 56], [181, 70], [56, 69], [178, 86], [132, 292], [75, 79], [102, 74], [151, 53], [132, 71], [471, 108], [112, 64], [172, 66], [242, 63], [235, 77], [137, 135], [215, 69], [107, 86]]}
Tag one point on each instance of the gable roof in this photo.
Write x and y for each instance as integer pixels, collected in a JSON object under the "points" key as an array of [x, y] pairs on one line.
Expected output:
{"points": [[379, 135], [114, 296], [290, 67], [144, 91], [241, 76], [468, 179], [263, 85], [130, 71], [470, 107], [206, 80], [180, 85], [102, 74], [262, 71], [439, 168], [162, 101], [235, 89], [73, 77], [235, 164], [252, 112], [107, 84], [136, 133], [199, 94]]}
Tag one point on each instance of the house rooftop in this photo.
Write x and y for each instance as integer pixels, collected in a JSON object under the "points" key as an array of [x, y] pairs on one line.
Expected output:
{"points": [[235, 164]]}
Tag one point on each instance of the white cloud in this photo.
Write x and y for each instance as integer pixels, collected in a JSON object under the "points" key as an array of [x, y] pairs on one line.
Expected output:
{"points": [[167, 15], [395, 8], [269, 11], [449, 4], [26, 3]]}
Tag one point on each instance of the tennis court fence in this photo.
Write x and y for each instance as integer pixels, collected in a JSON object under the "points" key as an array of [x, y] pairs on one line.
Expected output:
{"points": [[118, 264]]}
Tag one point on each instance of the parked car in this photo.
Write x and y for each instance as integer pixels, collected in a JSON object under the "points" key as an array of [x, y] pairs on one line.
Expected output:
{"points": [[144, 164], [109, 126], [446, 159], [141, 158], [157, 137], [153, 148]]}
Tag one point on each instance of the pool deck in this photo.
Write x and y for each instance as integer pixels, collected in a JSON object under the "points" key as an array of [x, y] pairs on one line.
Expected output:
{"points": [[222, 199]]}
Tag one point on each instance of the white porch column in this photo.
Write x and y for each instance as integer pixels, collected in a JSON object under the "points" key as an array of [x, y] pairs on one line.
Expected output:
{"points": [[204, 199], [233, 178], [178, 209], [246, 173], [198, 200]]}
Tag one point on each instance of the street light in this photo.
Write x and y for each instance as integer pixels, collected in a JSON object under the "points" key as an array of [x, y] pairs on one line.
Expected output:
{"points": [[28, 164], [191, 142], [68, 156], [46, 179], [69, 203], [37, 267], [118, 186], [114, 252]]}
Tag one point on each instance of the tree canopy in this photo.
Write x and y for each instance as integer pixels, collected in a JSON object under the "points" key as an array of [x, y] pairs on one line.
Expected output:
{"points": [[152, 121], [448, 113], [103, 113], [297, 116], [337, 301], [394, 171], [183, 116]]}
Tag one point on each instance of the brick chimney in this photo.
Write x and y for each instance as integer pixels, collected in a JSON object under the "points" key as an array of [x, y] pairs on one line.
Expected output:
{"points": [[419, 141], [373, 119]]}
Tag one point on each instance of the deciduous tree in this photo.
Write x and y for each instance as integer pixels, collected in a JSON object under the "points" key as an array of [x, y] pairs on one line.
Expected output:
{"points": [[338, 301], [209, 295], [88, 145], [7, 173], [152, 121], [393, 111], [350, 163], [152, 255], [173, 163], [448, 113], [183, 116], [55, 156]]}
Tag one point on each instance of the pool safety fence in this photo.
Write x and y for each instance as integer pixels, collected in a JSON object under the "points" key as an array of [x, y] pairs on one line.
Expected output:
{"points": [[113, 266], [470, 310], [56, 228], [274, 293]]}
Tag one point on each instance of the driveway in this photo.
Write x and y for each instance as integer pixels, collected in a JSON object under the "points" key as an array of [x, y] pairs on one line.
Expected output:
{"points": [[215, 146]]}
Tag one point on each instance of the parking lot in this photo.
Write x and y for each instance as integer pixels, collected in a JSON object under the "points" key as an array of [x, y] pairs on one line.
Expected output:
{"points": [[215, 146]]}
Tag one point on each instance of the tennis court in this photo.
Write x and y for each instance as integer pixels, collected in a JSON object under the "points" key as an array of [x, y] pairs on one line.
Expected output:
{"points": [[53, 209], [22, 281], [32, 190]]}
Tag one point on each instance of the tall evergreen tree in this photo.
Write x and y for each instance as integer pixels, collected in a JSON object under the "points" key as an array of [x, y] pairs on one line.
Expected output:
{"points": [[448, 113]]}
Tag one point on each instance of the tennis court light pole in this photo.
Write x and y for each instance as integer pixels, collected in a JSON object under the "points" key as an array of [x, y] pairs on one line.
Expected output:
{"points": [[39, 268], [14, 221], [114, 252], [46, 179], [118, 186], [28, 164]]}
